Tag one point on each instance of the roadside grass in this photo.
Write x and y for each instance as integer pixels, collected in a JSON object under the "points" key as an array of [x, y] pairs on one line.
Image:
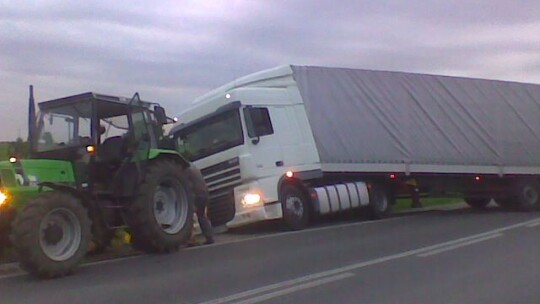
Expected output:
{"points": [[403, 204]]}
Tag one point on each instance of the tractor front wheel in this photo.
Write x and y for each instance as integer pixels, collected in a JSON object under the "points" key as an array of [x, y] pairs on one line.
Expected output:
{"points": [[51, 235], [161, 217]]}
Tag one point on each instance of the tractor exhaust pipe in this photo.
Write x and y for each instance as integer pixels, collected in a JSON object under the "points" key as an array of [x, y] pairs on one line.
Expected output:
{"points": [[31, 117]]}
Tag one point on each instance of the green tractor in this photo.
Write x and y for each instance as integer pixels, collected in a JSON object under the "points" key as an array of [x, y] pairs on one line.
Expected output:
{"points": [[97, 163]]}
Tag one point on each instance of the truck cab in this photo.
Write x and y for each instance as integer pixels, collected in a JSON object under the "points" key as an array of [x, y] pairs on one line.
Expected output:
{"points": [[245, 138]]}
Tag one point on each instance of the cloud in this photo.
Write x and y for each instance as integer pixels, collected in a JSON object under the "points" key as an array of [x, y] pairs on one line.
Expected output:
{"points": [[172, 51]]}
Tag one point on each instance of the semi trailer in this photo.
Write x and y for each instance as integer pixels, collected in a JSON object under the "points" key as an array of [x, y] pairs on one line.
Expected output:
{"points": [[295, 142]]}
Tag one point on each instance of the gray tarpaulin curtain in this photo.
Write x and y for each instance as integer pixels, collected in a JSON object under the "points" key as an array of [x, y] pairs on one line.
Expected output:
{"points": [[362, 116]]}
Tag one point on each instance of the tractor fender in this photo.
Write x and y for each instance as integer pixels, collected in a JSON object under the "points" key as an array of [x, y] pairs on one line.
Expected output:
{"points": [[173, 155], [86, 200]]}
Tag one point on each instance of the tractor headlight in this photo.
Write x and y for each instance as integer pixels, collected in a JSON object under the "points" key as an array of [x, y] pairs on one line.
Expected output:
{"points": [[3, 198]]}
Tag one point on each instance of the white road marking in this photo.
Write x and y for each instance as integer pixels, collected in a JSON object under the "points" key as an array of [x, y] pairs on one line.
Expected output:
{"points": [[532, 225], [336, 271], [266, 288], [282, 292], [459, 245], [330, 272]]}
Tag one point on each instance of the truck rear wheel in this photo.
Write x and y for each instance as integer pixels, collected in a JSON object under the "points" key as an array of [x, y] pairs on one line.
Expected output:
{"points": [[51, 235], [294, 205], [161, 217], [478, 203], [380, 203], [527, 194]]}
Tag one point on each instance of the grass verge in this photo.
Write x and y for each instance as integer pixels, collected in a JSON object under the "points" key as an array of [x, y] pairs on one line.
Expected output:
{"points": [[403, 204]]}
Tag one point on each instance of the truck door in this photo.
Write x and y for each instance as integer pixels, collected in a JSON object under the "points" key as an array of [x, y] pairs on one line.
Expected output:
{"points": [[265, 145]]}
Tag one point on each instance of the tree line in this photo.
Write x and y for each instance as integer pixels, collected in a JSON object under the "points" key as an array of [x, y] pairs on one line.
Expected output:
{"points": [[18, 148]]}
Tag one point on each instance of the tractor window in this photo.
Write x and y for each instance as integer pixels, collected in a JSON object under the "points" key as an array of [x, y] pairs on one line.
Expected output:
{"points": [[210, 136], [62, 127], [113, 126], [140, 126]]}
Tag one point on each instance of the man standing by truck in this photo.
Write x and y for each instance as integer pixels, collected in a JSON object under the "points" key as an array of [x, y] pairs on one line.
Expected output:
{"points": [[200, 189]]}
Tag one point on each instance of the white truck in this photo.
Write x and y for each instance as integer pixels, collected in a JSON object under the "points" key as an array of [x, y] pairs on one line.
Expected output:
{"points": [[295, 142]]}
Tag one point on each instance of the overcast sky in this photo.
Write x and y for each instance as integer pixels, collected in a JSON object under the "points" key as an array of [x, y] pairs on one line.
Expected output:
{"points": [[174, 51]]}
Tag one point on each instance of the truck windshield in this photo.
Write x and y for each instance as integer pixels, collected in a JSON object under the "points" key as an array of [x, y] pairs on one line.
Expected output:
{"points": [[210, 136], [63, 126]]}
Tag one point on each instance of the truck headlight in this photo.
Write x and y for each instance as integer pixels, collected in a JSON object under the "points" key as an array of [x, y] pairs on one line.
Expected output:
{"points": [[251, 199], [3, 198]]}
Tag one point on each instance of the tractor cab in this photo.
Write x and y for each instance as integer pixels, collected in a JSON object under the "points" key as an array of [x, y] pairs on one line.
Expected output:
{"points": [[100, 135]]}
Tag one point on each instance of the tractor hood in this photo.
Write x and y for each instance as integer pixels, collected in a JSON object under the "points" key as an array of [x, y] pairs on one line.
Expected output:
{"points": [[19, 180], [30, 172]]}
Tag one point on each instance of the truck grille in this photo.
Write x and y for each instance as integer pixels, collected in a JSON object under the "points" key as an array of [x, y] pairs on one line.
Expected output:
{"points": [[221, 179]]}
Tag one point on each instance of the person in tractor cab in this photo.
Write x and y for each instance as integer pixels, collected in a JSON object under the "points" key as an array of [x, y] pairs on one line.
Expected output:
{"points": [[200, 190]]}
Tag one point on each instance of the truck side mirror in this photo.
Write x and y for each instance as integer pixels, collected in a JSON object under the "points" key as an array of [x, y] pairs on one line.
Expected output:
{"points": [[159, 114]]}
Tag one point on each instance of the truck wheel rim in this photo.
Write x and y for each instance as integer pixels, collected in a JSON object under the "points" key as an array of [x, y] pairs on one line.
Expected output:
{"points": [[530, 194], [60, 234], [170, 208], [295, 206], [382, 203]]}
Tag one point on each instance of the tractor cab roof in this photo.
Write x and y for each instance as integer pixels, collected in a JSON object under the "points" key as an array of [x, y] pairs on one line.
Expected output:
{"points": [[106, 105]]}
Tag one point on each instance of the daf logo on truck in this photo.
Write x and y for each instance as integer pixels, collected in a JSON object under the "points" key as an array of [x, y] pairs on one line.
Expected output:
{"points": [[307, 140]]}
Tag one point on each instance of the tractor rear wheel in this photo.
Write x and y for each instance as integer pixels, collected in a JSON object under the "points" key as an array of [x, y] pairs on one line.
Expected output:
{"points": [[51, 235], [161, 217]]}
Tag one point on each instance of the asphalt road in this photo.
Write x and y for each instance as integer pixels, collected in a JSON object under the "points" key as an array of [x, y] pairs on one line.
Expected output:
{"points": [[436, 257]]}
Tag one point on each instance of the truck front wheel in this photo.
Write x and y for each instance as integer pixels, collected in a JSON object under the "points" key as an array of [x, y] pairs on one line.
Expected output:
{"points": [[295, 207], [51, 235]]}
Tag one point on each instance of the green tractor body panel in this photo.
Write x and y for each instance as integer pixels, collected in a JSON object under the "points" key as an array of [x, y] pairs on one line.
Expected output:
{"points": [[155, 153], [20, 180], [48, 170]]}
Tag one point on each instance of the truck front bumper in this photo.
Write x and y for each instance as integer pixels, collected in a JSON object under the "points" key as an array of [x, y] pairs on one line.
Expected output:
{"points": [[255, 214]]}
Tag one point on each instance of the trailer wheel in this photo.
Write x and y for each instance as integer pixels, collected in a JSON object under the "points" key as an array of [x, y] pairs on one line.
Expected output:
{"points": [[51, 235], [295, 207], [478, 203], [527, 194], [161, 217], [380, 203]]}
